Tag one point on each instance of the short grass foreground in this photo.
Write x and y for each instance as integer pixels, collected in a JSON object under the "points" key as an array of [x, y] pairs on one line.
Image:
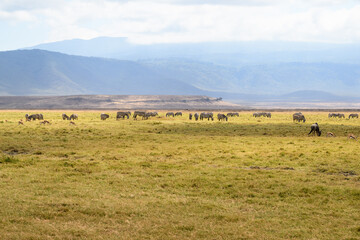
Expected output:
{"points": [[172, 178]]}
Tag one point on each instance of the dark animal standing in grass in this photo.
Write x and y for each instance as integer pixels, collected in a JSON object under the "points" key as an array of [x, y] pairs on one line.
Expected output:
{"points": [[221, 116], [178, 114], [65, 117], [196, 116], [170, 114], [74, 117], [104, 116], [299, 117], [315, 129], [190, 116], [122, 115], [353, 115]]}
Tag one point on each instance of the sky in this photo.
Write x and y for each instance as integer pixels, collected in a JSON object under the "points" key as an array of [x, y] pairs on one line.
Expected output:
{"points": [[25, 23]]}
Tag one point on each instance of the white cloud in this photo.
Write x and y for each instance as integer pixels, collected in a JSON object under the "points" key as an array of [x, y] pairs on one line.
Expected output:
{"points": [[192, 20]]}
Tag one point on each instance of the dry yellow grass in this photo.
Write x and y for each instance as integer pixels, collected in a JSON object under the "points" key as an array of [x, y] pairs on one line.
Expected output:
{"points": [[171, 178]]}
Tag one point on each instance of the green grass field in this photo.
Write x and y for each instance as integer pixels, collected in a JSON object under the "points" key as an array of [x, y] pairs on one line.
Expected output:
{"points": [[172, 178]]}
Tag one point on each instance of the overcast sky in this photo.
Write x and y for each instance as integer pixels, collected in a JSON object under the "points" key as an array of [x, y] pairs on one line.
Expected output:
{"points": [[29, 22]]}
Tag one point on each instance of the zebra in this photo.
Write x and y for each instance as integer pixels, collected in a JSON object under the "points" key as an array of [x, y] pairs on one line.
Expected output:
{"points": [[152, 114], [65, 117], [196, 116], [207, 115], [338, 115], [74, 117], [221, 116], [353, 115], [122, 115], [141, 114], [232, 114], [299, 117]]}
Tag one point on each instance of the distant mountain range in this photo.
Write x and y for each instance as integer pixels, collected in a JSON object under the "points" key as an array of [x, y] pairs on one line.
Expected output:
{"points": [[232, 54], [240, 72]]}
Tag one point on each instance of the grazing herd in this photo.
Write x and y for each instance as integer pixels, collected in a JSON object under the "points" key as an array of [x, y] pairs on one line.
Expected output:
{"points": [[297, 117], [262, 114]]}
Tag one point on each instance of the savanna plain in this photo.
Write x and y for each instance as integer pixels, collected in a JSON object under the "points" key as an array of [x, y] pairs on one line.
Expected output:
{"points": [[175, 178]]}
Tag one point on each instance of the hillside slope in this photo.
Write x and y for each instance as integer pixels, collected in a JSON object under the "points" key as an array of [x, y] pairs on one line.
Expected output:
{"points": [[38, 72]]}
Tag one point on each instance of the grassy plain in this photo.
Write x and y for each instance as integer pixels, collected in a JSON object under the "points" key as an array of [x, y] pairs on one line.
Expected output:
{"points": [[172, 178]]}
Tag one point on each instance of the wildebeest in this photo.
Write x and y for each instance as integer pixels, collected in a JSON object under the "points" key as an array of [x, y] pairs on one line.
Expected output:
{"points": [[196, 116], [207, 115], [315, 129], [104, 116], [299, 117], [178, 114], [122, 115], [170, 114], [64, 116], [190, 116], [74, 117], [141, 114], [232, 114], [353, 115], [221, 116]]}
